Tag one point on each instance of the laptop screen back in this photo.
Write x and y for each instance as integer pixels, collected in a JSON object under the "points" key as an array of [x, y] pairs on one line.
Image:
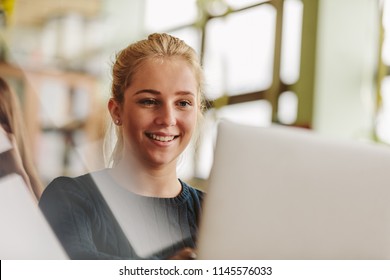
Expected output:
{"points": [[287, 193]]}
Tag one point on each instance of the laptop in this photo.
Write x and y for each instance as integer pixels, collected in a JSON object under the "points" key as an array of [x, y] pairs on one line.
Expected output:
{"points": [[286, 193], [25, 233]]}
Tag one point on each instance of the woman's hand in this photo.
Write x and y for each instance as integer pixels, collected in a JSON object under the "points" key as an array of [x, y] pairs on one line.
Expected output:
{"points": [[184, 254]]}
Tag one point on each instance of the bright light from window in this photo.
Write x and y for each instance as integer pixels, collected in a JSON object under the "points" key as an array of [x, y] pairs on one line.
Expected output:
{"points": [[291, 41], [191, 36], [237, 4], [287, 107], [239, 52], [255, 113], [383, 122], [386, 25], [167, 14], [383, 118]]}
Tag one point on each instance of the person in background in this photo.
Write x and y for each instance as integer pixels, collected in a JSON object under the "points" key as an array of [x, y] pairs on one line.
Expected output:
{"points": [[18, 159], [138, 208]]}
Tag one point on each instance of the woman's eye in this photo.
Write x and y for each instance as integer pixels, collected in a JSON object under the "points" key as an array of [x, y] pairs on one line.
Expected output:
{"points": [[184, 103], [148, 102]]}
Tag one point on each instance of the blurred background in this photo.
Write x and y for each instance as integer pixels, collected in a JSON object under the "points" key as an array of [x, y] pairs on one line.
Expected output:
{"points": [[318, 64]]}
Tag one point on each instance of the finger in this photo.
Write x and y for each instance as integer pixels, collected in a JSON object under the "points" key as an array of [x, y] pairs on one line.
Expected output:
{"points": [[185, 254]]}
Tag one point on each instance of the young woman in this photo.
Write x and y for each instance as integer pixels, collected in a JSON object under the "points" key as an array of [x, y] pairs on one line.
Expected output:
{"points": [[18, 159], [138, 208]]}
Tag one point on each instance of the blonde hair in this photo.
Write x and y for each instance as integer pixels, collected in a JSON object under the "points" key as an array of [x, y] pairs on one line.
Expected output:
{"points": [[128, 61], [12, 122]]}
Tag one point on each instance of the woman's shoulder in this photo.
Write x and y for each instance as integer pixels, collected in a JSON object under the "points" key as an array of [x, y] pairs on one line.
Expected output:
{"points": [[80, 186], [192, 192]]}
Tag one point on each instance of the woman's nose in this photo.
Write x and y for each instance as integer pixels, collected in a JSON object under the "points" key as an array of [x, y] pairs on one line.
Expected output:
{"points": [[166, 116]]}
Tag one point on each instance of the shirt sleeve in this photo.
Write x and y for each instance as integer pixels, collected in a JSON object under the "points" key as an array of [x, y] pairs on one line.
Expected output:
{"points": [[71, 214]]}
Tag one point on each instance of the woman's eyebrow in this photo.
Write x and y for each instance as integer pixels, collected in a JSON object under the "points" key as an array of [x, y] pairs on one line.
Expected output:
{"points": [[147, 90], [156, 92]]}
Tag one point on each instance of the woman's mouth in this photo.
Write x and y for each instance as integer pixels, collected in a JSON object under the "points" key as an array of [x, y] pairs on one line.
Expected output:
{"points": [[161, 138]]}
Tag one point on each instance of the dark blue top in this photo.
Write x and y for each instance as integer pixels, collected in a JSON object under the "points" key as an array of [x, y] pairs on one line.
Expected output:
{"points": [[94, 218]]}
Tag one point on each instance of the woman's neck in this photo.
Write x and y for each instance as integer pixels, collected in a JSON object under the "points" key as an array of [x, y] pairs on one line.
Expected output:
{"points": [[155, 182]]}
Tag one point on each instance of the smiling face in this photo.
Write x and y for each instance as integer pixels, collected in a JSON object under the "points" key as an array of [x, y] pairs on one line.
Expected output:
{"points": [[159, 112]]}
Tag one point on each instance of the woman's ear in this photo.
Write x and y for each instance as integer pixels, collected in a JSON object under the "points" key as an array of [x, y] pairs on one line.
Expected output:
{"points": [[114, 109]]}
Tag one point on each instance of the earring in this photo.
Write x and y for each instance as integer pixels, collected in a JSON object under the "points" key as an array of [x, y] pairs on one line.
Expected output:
{"points": [[117, 122]]}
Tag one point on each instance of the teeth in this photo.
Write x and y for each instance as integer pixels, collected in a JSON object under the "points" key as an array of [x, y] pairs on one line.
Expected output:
{"points": [[161, 138]]}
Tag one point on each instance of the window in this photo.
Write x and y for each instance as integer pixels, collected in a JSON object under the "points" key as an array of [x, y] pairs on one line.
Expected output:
{"points": [[251, 56], [239, 51], [164, 15]]}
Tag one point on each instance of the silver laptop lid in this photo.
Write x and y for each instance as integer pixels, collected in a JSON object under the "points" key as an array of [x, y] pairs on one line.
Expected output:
{"points": [[287, 193]]}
